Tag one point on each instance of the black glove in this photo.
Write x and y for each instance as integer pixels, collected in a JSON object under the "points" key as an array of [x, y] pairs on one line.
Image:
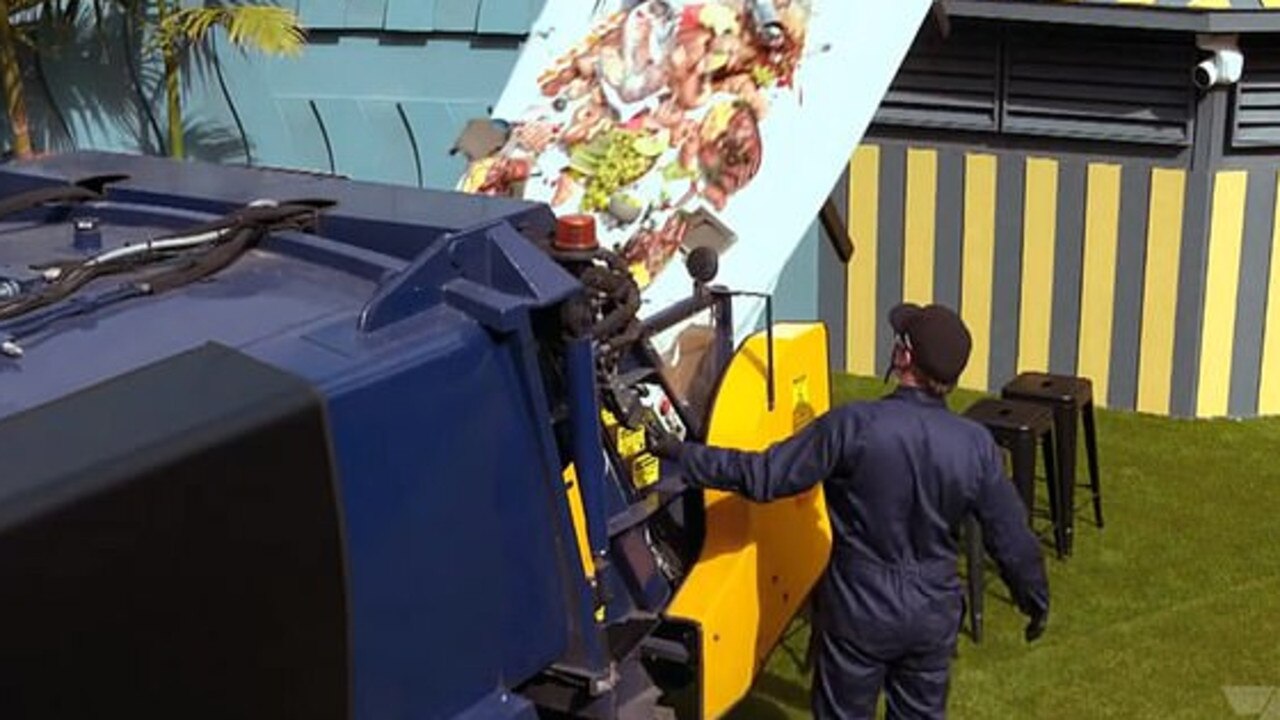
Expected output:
{"points": [[667, 447], [1035, 628], [663, 445]]}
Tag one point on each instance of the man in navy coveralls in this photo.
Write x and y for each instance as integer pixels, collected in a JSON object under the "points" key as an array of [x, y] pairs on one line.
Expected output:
{"points": [[900, 474]]}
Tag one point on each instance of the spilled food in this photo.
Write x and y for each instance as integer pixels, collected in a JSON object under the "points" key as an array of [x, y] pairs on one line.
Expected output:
{"points": [[654, 115]]}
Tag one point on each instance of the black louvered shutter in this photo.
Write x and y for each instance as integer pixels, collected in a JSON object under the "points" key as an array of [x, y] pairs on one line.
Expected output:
{"points": [[1256, 112], [1113, 89], [946, 84]]}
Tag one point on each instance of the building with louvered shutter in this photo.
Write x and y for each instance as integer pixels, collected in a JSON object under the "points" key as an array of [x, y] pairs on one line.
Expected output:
{"points": [[1053, 170]]}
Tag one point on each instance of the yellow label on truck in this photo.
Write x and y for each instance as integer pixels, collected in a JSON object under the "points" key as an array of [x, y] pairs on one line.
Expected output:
{"points": [[644, 470], [626, 441], [629, 442]]}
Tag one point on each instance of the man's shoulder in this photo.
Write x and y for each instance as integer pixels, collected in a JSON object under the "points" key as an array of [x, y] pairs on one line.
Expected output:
{"points": [[969, 424], [939, 417]]}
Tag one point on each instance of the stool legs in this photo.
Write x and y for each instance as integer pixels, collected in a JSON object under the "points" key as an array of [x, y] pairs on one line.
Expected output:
{"points": [[1024, 468], [1064, 427], [1091, 446], [1050, 464], [1053, 481], [1024, 478], [974, 553]]}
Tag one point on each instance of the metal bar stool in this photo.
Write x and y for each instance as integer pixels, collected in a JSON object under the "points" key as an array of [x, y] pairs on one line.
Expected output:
{"points": [[1071, 399], [1017, 427]]}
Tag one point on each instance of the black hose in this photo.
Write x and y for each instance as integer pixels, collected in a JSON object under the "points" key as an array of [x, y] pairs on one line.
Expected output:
{"points": [[85, 189], [35, 198], [619, 290], [69, 282], [268, 215], [247, 226], [208, 263]]}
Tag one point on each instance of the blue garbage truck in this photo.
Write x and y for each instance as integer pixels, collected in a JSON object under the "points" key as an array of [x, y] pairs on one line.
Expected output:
{"points": [[283, 445]]}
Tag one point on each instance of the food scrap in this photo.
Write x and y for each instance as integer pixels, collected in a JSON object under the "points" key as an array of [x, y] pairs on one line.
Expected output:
{"points": [[666, 99]]}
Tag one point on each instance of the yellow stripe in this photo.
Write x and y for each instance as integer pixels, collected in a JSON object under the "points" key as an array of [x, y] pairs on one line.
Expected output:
{"points": [[1226, 234], [979, 262], [578, 513], [1097, 300], [920, 221], [1160, 290], [1269, 390], [864, 207], [1038, 228], [1209, 4], [1270, 3]]}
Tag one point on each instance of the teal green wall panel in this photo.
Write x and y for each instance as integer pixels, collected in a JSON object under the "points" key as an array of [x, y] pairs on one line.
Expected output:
{"points": [[104, 91], [368, 66], [410, 15], [507, 17], [308, 147], [365, 14], [368, 140], [456, 15], [796, 295], [435, 126], [211, 127], [360, 101], [326, 14], [459, 80]]}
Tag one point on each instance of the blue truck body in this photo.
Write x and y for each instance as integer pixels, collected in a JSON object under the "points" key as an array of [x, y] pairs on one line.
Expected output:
{"points": [[408, 325]]}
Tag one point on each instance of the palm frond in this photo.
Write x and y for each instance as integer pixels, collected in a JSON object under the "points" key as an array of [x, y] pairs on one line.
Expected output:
{"points": [[264, 28]]}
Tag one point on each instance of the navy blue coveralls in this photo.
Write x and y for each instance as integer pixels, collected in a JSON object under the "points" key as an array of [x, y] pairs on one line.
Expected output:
{"points": [[900, 474]]}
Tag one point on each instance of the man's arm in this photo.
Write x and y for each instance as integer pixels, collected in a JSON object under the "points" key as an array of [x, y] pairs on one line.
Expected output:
{"points": [[1010, 542], [787, 468]]}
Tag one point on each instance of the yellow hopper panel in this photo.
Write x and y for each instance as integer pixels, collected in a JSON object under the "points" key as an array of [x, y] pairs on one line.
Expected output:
{"points": [[759, 561]]}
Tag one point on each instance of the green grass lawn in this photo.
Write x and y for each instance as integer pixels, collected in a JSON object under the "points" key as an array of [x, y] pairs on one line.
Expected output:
{"points": [[1176, 598]]}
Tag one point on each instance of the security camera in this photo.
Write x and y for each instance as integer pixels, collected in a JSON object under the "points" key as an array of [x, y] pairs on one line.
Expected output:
{"points": [[1223, 67]]}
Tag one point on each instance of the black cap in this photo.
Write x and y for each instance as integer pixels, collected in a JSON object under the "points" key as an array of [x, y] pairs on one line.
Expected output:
{"points": [[940, 343]]}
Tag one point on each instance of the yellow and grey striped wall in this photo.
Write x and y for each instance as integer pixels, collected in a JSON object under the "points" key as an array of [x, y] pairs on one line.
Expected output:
{"points": [[1148, 278]]}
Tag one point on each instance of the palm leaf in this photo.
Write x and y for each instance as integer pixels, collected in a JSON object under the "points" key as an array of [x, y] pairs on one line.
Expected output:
{"points": [[269, 29], [196, 22], [264, 28]]}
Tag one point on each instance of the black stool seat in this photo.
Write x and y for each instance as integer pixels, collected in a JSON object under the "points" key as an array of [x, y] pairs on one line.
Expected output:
{"points": [[1018, 427], [1040, 387], [1071, 399]]}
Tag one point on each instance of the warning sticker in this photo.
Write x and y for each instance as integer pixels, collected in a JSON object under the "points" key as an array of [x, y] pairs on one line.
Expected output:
{"points": [[801, 406], [630, 442], [800, 390], [645, 470]]}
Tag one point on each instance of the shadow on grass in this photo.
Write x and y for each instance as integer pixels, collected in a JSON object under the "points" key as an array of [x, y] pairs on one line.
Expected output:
{"points": [[790, 692], [757, 707], [773, 698]]}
